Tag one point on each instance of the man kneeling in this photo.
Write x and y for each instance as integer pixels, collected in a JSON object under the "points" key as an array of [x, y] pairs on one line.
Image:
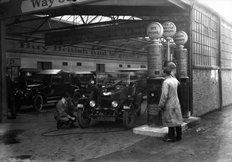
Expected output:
{"points": [[64, 113]]}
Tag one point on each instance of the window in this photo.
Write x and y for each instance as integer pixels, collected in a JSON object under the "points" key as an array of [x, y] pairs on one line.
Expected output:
{"points": [[66, 78], [120, 65], [143, 66], [79, 64], [128, 66], [100, 67], [205, 39], [44, 65], [65, 63]]}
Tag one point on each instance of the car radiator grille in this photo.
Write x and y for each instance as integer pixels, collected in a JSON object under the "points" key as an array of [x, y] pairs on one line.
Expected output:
{"points": [[105, 102]]}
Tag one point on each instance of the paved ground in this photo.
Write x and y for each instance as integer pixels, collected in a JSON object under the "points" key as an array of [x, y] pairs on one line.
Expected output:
{"points": [[33, 137]]}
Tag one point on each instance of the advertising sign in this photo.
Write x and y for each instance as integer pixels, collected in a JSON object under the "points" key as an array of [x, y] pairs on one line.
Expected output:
{"points": [[169, 29], [155, 30], [36, 5], [4, 1], [180, 38]]}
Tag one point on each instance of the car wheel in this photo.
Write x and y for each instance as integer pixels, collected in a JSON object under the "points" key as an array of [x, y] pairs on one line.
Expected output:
{"points": [[38, 103], [129, 118], [82, 119]]}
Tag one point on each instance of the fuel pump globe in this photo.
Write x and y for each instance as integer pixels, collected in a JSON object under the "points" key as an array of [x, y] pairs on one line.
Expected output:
{"points": [[169, 29], [155, 30], [180, 38]]}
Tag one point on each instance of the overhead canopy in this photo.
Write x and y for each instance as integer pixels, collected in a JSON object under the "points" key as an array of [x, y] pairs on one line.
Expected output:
{"points": [[92, 7], [33, 19]]}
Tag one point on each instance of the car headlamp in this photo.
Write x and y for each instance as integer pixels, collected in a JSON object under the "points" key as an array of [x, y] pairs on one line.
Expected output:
{"points": [[80, 105], [92, 103], [114, 104], [107, 93], [92, 82]]}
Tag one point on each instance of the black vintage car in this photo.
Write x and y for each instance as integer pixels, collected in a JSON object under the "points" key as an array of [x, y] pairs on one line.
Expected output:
{"points": [[84, 79], [115, 97], [46, 86]]}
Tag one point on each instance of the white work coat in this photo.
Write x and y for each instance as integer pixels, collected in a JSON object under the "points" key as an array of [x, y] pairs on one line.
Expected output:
{"points": [[169, 103]]}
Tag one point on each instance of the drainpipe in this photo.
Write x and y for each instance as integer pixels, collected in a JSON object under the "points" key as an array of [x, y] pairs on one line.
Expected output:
{"points": [[220, 66]]}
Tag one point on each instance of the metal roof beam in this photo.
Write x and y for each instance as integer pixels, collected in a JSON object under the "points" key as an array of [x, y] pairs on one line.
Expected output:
{"points": [[180, 4]]}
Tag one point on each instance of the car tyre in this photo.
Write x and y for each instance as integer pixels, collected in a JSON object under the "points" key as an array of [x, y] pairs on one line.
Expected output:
{"points": [[82, 119], [129, 118], [38, 103]]}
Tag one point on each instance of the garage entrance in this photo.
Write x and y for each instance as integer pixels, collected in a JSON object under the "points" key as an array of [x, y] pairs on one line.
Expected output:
{"points": [[99, 29]]}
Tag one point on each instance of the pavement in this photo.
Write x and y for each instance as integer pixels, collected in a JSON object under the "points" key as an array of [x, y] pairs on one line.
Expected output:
{"points": [[34, 137]]}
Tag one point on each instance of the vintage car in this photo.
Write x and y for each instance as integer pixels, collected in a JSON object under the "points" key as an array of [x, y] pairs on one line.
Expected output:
{"points": [[46, 86], [138, 76], [84, 79], [113, 98]]}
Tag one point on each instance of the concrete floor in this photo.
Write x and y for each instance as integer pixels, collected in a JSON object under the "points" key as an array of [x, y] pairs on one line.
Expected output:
{"points": [[33, 137]]}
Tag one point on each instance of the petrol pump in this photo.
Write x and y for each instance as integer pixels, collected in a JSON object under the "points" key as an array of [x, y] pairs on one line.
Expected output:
{"points": [[155, 65], [154, 80], [181, 58]]}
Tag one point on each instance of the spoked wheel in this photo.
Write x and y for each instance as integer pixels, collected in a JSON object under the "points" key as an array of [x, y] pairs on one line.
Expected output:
{"points": [[38, 103], [82, 118], [129, 118]]}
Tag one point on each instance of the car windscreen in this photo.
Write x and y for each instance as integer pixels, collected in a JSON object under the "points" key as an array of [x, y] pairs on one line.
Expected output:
{"points": [[35, 79], [113, 78], [85, 77]]}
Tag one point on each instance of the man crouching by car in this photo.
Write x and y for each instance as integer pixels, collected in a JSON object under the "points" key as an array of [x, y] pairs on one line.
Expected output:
{"points": [[64, 113]]}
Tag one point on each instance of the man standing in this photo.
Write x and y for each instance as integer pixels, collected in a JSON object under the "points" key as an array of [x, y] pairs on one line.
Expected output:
{"points": [[170, 105]]}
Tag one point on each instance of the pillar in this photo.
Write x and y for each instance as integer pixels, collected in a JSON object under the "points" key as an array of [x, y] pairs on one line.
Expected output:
{"points": [[3, 101], [182, 73]]}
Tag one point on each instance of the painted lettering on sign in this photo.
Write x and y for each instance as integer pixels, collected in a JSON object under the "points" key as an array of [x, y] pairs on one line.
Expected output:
{"points": [[38, 48], [169, 29], [180, 38], [154, 30], [35, 5]]}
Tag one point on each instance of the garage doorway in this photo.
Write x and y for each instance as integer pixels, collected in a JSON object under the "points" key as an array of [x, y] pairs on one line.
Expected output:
{"points": [[44, 65], [100, 68]]}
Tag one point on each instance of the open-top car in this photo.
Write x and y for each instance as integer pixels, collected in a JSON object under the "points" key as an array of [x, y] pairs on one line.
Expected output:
{"points": [[113, 98], [46, 86], [138, 76], [84, 79]]}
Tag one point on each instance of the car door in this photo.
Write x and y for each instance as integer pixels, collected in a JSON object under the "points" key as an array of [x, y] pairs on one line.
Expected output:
{"points": [[66, 85], [56, 89]]}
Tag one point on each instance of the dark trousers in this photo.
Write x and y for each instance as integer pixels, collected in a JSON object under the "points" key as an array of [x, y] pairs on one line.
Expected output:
{"points": [[175, 132]]}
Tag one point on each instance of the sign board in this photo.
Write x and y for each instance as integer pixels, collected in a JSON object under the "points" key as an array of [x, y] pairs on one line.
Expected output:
{"points": [[155, 30], [169, 29], [36, 5], [4, 1], [13, 62], [180, 38]]}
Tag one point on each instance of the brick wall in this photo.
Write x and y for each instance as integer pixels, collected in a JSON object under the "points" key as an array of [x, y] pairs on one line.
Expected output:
{"points": [[205, 91], [226, 87]]}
